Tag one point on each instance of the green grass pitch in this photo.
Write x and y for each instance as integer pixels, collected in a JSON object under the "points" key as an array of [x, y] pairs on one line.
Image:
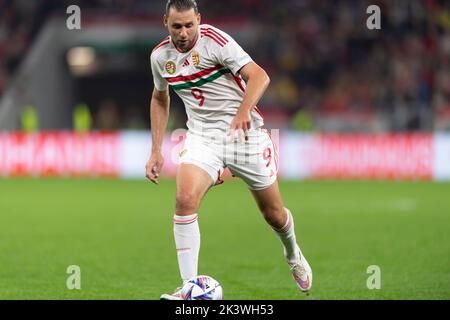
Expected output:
{"points": [[119, 232]]}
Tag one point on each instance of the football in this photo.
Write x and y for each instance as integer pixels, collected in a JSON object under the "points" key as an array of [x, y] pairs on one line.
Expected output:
{"points": [[202, 288]]}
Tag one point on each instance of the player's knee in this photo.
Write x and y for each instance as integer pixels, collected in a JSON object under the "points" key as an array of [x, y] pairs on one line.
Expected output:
{"points": [[275, 216], [186, 202]]}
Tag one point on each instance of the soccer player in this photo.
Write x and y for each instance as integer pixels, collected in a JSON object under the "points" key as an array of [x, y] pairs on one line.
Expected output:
{"points": [[220, 86]]}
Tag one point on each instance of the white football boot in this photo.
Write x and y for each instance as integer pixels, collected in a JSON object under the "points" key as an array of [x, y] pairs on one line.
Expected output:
{"points": [[174, 296], [302, 273]]}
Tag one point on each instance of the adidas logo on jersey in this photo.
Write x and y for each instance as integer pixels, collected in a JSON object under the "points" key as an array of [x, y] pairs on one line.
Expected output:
{"points": [[185, 63]]}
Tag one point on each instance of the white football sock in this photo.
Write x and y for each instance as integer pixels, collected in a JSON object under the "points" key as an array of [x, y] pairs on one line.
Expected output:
{"points": [[287, 236], [187, 242]]}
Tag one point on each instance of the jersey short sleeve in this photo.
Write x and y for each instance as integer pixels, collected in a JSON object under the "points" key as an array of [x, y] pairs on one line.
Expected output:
{"points": [[232, 56], [159, 81]]}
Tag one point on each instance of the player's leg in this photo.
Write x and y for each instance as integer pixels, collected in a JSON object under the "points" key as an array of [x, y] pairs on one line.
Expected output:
{"points": [[280, 219], [192, 184], [199, 169], [256, 164]]}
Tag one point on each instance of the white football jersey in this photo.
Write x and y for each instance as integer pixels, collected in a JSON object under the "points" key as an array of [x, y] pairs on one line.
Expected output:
{"points": [[206, 79]]}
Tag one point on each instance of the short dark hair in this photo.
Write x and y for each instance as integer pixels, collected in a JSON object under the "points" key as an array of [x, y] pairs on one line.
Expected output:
{"points": [[181, 5]]}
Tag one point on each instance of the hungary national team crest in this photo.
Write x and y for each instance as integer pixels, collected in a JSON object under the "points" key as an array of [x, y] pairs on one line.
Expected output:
{"points": [[170, 67], [195, 58]]}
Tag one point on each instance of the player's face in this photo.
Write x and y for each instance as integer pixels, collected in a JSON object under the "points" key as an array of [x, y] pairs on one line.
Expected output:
{"points": [[183, 27]]}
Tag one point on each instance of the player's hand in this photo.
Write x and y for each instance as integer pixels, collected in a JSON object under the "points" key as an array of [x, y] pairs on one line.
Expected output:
{"points": [[240, 126], [153, 167]]}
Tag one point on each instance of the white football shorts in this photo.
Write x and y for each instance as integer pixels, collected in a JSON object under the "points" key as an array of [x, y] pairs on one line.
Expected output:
{"points": [[255, 161]]}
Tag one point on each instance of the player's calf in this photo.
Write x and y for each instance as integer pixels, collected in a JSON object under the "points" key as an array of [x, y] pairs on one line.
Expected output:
{"points": [[275, 216]]}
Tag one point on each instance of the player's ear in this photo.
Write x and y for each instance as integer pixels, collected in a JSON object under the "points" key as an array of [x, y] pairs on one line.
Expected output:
{"points": [[165, 21], [199, 18]]}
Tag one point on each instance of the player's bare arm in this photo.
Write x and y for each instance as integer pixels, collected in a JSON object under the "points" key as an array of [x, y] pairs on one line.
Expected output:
{"points": [[257, 82], [159, 115]]}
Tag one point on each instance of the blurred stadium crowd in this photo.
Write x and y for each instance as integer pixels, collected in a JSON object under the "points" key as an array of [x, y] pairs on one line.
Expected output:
{"points": [[329, 71]]}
